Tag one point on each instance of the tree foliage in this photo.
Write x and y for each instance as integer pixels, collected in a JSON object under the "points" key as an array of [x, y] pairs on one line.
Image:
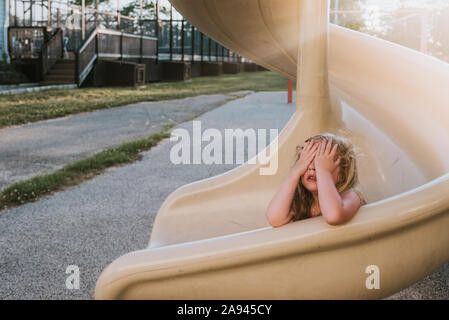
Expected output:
{"points": [[350, 21], [148, 9]]}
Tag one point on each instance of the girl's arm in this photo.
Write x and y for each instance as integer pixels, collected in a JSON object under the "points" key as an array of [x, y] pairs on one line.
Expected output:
{"points": [[335, 209], [278, 210]]}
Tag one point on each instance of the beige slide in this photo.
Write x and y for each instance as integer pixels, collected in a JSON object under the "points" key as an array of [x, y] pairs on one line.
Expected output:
{"points": [[210, 239]]}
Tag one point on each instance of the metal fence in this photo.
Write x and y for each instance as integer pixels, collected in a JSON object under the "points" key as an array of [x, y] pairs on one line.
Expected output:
{"points": [[177, 38]]}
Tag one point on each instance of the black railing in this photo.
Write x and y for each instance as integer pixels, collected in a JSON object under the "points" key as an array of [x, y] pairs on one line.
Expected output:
{"points": [[112, 44], [180, 40], [26, 42], [85, 57], [52, 51]]}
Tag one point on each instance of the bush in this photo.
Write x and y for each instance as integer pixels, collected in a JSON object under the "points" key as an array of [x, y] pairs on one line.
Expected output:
{"points": [[9, 73]]}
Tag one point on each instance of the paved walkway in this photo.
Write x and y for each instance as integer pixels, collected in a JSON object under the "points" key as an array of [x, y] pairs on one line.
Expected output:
{"points": [[43, 147], [92, 224]]}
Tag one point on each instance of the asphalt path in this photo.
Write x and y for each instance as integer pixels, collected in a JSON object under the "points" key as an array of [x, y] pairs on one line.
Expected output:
{"points": [[46, 146], [92, 224]]}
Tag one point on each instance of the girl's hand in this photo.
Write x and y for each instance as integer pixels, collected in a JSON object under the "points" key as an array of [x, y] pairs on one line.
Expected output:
{"points": [[306, 157], [325, 159]]}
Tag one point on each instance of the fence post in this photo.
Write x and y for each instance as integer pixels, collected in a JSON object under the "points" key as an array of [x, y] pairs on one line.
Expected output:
{"points": [[193, 43], [48, 13], [31, 13], [182, 40], [141, 49], [210, 45], [216, 51], [201, 45], [62, 42], [121, 46], [15, 13], [171, 35], [157, 31], [118, 15], [95, 13], [83, 20]]}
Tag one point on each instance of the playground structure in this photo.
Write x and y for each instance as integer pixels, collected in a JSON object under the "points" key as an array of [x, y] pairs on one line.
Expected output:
{"points": [[210, 239], [52, 44]]}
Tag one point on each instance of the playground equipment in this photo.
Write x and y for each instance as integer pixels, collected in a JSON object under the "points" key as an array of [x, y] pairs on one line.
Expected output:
{"points": [[210, 239]]}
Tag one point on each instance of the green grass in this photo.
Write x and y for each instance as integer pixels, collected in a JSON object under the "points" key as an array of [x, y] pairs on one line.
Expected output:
{"points": [[35, 106], [48, 104], [75, 173]]}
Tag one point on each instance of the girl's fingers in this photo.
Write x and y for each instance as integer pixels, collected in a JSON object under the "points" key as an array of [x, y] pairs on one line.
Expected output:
{"points": [[328, 146], [310, 147], [337, 163], [334, 150], [321, 149], [307, 147], [312, 154]]}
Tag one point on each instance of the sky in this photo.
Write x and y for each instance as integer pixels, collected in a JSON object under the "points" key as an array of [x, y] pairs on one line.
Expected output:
{"points": [[378, 5], [124, 3], [390, 5], [371, 5]]}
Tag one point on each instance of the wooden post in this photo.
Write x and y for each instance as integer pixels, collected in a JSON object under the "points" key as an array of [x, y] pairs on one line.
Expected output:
{"points": [[95, 12], [31, 13], [49, 22], [118, 15], [83, 20]]}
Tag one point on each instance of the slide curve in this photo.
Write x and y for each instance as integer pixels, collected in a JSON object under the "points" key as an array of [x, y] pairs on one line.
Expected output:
{"points": [[210, 239]]}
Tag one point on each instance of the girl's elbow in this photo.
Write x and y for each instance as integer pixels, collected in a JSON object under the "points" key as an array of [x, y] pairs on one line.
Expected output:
{"points": [[338, 217], [273, 220], [335, 218]]}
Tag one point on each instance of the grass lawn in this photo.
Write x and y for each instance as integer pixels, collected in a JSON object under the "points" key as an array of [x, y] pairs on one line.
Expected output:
{"points": [[79, 171], [48, 104], [35, 106]]}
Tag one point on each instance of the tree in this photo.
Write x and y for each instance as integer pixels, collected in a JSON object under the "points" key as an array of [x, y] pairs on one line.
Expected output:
{"points": [[88, 2], [148, 9], [350, 21]]}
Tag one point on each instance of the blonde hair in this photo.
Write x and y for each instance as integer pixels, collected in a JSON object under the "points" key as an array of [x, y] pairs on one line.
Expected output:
{"points": [[303, 198]]}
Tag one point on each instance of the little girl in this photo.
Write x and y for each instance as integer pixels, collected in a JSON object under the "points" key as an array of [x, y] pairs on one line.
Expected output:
{"points": [[322, 182]]}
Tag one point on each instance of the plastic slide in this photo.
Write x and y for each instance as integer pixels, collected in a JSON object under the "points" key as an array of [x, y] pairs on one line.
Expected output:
{"points": [[210, 239]]}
